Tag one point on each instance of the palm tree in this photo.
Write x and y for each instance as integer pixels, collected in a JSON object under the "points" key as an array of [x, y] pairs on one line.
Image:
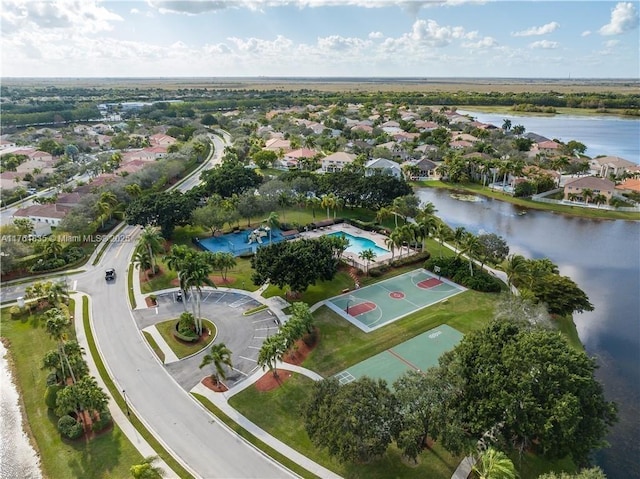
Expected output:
{"points": [[225, 262], [178, 256], [142, 259], [494, 464], [506, 124], [470, 247], [599, 199], [219, 355], [272, 222], [151, 241], [52, 247], [328, 202], [426, 226], [196, 274], [314, 202], [272, 350], [57, 290], [133, 190], [516, 268], [199, 148], [367, 256], [56, 325], [382, 214], [391, 244], [458, 237], [587, 194]]}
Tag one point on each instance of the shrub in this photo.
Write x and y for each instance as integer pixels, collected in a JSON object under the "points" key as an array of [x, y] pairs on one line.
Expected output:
{"points": [[69, 427], [457, 270], [51, 394], [186, 326], [103, 421]]}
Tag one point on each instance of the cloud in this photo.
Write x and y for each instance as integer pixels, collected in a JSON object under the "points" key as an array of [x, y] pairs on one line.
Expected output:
{"points": [[586, 33], [533, 31], [76, 15], [375, 35], [611, 43], [546, 44], [486, 42], [624, 18], [191, 7]]}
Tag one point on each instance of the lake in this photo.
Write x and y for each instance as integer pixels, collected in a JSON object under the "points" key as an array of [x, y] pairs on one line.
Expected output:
{"points": [[602, 135], [603, 258]]}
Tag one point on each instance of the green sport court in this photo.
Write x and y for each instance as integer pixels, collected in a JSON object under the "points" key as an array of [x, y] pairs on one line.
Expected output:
{"points": [[417, 354], [376, 305]]}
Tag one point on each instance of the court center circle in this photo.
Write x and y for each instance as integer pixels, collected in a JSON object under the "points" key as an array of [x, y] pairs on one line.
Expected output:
{"points": [[396, 295]]}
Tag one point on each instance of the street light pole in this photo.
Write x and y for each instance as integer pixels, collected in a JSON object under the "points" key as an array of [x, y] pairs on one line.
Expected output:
{"points": [[126, 405]]}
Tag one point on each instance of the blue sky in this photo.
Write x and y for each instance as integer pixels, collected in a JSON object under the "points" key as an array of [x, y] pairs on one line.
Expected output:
{"points": [[217, 38]]}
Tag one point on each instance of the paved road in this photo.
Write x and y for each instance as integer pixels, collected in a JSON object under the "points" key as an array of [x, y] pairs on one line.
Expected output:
{"points": [[204, 446]]}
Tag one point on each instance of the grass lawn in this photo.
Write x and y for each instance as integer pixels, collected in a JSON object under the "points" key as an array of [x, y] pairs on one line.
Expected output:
{"points": [[342, 344], [183, 349], [154, 345], [282, 419], [108, 456]]}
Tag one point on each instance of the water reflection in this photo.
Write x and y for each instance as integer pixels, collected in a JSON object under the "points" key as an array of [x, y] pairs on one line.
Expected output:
{"points": [[603, 258]]}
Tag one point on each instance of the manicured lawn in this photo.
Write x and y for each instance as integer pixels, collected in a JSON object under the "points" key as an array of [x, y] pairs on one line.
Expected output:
{"points": [[282, 419], [342, 344], [154, 345], [183, 349], [108, 456]]}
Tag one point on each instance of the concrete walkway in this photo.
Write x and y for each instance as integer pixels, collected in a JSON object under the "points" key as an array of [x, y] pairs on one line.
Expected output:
{"points": [[169, 355], [119, 417], [220, 400]]}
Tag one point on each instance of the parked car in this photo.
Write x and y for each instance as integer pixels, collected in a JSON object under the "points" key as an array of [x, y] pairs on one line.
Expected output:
{"points": [[110, 274]]}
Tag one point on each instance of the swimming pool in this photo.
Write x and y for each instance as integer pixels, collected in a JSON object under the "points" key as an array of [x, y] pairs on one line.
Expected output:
{"points": [[239, 243], [358, 244]]}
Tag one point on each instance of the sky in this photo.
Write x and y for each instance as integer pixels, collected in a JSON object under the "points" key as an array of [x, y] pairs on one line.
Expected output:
{"points": [[320, 38]]}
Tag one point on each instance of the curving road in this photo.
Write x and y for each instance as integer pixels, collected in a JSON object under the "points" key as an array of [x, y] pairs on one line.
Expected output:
{"points": [[205, 447]]}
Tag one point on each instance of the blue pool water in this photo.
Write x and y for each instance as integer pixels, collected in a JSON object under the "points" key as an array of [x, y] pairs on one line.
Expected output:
{"points": [[357, 244], [238, 243]]}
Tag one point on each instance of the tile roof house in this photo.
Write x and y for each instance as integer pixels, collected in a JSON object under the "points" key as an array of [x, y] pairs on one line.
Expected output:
{"points": [[160, 139], [548, 146], [596, 185], [336, 161], [424, 169], [50, 214], [8, 180], [465, 137], [382, 166], [423, 125], [630, 185], [613, 165], [277, 144], [460, 144], [291, 159]]}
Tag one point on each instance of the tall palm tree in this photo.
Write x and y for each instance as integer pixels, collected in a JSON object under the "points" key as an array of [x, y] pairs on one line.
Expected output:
{"points": [[398, 240], [142, 259], [196, 275], [199, 148], [272, 350], [219, 355], [52, 247], [426, 226], [587, 194], [391, 244], [58, 293], [367, 256], [272, 222], [470, 247], [382, 214], [458, 237], [178, 257], [56, 326], [328, 202], [314, 202], [516, 268], [494, 464], [151, 241], [133, 190]]}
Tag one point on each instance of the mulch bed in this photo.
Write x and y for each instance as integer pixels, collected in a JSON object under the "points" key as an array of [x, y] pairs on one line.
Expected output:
{"points": [[298, 354], [217, 387]]}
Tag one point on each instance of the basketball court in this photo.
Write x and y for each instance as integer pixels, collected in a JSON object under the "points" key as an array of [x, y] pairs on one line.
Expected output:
{"points": [[417, 354], [379, 304]]}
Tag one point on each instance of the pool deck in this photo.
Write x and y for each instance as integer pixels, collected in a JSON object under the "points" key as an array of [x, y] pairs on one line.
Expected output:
{"points": [[377, 238]]}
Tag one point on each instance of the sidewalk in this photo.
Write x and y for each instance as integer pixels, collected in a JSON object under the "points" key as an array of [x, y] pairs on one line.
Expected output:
{"points": [[169, 355], [220, 400], [117, 414]]}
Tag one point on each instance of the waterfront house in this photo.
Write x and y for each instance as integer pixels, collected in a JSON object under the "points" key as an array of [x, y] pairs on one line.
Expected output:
{"points": [[382, 166], [630, 185], [612, 166], [596, 186]]}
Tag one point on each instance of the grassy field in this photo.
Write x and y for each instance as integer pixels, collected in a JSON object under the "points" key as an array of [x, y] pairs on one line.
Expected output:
{"points": [[109, 455], [180, 348]]}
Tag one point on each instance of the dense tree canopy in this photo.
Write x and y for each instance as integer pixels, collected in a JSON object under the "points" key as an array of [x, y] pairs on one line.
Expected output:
{"points": [[230, 178], [530, 382], [166, 210], [295, 264], [355, 422]]}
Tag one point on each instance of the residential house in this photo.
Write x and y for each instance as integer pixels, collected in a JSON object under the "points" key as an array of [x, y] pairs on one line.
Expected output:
{"points": [[291, 159], [50, 214], [277, 145], [615, 166], [630, 185], [460, 144], [4, 144], [336, 161], [382, 166], [11, 179], [595, 185], [465, 137], [548, 147], [423, 125], [160, 139], [420, 170]]}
